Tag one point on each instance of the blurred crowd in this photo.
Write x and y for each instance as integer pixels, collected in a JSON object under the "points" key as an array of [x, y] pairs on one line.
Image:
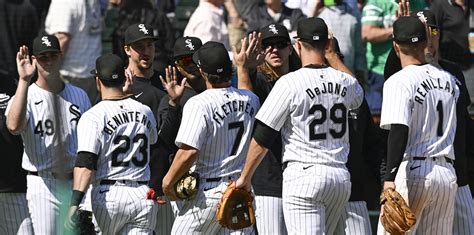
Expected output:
{"points": [[87, 29]]}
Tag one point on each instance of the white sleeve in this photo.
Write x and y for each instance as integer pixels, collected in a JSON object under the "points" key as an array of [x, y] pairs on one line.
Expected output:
{"points": [[153, 128], [193, 128], [60, 17], [89, 135], [355, 92], [396, 105], [276, 108]]}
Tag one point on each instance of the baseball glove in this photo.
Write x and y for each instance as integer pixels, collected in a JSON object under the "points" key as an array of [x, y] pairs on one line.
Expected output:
{"points": [[397, 217], [187, 187], [235, 209]]}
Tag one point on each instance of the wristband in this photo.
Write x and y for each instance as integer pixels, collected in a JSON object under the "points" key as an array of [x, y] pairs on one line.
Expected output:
{"points": [[76, 197]]}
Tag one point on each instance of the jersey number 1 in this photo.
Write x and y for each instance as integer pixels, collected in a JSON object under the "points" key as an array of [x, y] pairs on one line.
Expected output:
{"points": [[439, 108]]}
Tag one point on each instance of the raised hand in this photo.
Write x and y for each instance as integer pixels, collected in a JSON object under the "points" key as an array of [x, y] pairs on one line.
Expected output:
{"points": [[175, 90], [128, 86], [251, 55], [403, 9], [25, 66]]}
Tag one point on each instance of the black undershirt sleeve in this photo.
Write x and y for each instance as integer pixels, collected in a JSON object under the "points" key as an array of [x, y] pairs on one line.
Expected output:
{"points": [[87, 160], [264, 135], [397, 142]]}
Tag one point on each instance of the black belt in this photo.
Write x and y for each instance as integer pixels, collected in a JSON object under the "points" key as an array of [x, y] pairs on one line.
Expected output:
{"points": [[68, 176], [449, 160], [111, 182], [217, 179]]}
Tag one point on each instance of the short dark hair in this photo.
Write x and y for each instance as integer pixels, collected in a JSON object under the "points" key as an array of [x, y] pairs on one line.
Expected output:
{"points": [[108, 83], [216, 79], [319, 46]]}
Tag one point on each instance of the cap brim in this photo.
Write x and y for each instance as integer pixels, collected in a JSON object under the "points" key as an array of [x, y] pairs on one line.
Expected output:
{"points": [[141, 38], [94, 72], [46, 50]]}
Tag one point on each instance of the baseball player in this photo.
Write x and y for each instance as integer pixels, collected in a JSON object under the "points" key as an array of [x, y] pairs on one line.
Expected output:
{"points": [[309, 107], [114, 143], [419, 113], [14, 215], [279, 60], [169, 118], [213, 137], [46, 113], [364, 155], [463, 205]]}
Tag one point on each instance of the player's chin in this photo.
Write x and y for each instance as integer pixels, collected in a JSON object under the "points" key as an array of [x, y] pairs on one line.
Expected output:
{"points": [[146, 64]]}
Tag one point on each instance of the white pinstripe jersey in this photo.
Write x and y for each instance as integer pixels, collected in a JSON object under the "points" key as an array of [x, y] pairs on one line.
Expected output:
{"points": [[218, 122], [310, 108], [423, 98], [120, 133], [39, 136]]}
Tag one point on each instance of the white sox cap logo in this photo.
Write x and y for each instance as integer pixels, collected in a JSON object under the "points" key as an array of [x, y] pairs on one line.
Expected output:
{"points": [[422, 16], [143, 28], [272, 29], [45, 41], [189, 44]]}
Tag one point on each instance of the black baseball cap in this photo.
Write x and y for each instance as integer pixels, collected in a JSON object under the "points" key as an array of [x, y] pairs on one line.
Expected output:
{"points": [[137, 32], [213, 58], [275, 31], [408, 30], [312, 30], [429, 17], [109, 67], [186, 46], [45, 43]]}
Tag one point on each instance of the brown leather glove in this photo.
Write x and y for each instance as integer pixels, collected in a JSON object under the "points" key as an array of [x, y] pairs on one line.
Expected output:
{"points": [[235, 209], [397, 217]]}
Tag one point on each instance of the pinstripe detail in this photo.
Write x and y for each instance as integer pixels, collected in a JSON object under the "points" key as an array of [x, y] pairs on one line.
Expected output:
{"points": [[206, 126], [400, 107], [314, 197], [463, 212], [269, 215], [130, 118], [165, 219], [287, 107], [198, 216], [354, 220], [14, 215], [430, 192]]}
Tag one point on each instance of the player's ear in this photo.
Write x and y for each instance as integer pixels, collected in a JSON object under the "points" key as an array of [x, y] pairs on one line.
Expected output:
{"points": [[396, 47], [127, 49], [97, 83]]}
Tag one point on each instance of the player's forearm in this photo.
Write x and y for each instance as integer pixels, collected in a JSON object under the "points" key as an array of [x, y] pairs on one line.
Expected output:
{"points": [[63, 39], [372, 33], [16, 118], [336, 63], [82, 178], [255, 155], [182, 162], [243, 78]]}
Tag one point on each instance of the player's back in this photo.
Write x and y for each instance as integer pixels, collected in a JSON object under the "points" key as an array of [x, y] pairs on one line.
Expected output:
{"points": [[124, 129], [317, 102], [224, 119], [429, 96]]}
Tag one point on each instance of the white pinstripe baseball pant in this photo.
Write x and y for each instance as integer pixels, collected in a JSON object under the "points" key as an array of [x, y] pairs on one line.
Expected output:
{"points": [[198, 216], [463, 212], [269, 215], [354, 220], [429, 188], [14, 215], [314, 197]]}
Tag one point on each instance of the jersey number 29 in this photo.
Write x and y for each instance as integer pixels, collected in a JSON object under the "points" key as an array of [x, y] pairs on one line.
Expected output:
{"points": [[335, 116]]}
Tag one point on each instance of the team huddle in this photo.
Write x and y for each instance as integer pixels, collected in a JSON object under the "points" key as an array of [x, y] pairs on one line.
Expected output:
{"points": [[100, 162]]}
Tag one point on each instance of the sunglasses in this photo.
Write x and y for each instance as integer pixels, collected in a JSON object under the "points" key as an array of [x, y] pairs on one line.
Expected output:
{"points": [[434, 31], [184, 61], [278, 45]]}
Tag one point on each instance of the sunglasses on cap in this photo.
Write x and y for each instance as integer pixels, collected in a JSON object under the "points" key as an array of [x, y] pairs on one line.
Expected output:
{"points": [[184, 61], [278, 45], [434, 31]]}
